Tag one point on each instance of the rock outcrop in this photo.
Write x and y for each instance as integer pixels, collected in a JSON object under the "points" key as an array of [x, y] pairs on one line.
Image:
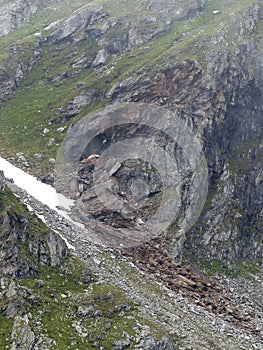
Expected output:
{"points": [[26, 243], [224, 104], [16, 13]]}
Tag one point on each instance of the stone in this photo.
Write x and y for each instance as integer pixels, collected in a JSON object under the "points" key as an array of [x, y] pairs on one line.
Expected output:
{"points": [[38, 155], [100, 58], [22, 336], [85, 310], [52, 160], [2, 180], [61, 129], [121, 344], [42, 246], [45, 131], [13, 308], [51, 142], [76, 23], [11, 290]]}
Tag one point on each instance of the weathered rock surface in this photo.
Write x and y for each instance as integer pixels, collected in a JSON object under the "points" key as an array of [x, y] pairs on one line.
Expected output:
{"points": [[76, 23], [22, 336], [25, 241], [224, 104], [15, 13]]}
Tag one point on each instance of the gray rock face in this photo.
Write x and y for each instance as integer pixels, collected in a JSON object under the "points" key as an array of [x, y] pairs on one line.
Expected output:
{"points": [[26, 242], [15, 70], [100, 58], [150, 344], [15, 13], [2, 180], [224, 104], [134, 179], [172, 10], [22, 337], [77, 23]]}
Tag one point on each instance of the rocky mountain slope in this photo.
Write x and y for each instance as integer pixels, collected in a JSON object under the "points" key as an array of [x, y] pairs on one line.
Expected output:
{"points": [[96, 298], [53, 300], [200, 60]]}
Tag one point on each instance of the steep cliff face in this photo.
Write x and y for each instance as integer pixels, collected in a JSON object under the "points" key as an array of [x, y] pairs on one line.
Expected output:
{"points": [[224, 103], [200, 59], [26, 243]]}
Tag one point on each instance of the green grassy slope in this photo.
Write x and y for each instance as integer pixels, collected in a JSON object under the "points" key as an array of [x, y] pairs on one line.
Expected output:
{"points": [[35, 104]]}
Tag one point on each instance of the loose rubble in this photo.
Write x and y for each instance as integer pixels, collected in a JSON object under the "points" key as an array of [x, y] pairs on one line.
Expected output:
{"points": [[190, 294]]}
